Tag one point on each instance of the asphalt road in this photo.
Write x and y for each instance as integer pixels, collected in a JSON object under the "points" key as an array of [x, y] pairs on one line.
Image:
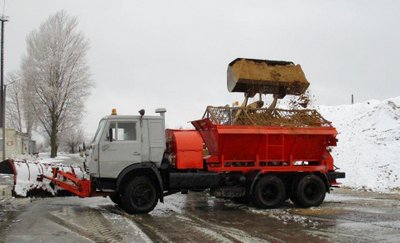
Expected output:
{"points": [[345, 216]]}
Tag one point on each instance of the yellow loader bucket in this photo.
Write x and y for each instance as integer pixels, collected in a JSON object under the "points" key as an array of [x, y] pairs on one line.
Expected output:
{"points": [[253, 76]]}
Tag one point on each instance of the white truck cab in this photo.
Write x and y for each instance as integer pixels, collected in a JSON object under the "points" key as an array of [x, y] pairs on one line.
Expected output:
{"points": [[121, 141]]}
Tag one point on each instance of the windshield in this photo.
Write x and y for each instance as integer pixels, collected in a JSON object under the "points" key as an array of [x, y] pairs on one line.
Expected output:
{"points": [[99, 128]]}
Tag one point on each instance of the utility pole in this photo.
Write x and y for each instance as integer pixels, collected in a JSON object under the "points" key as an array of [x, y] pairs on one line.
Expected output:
{"points": [[3, 19]]}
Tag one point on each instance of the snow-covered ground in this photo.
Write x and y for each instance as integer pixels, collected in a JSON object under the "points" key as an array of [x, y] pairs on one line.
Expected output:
{"points": [[369, 143]]}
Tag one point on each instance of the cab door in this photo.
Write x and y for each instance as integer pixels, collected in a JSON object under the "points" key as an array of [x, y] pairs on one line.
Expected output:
{"points": [[120, 147]]}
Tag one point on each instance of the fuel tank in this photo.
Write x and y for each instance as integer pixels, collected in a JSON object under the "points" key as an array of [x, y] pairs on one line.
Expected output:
{"points": [[184, 149]]}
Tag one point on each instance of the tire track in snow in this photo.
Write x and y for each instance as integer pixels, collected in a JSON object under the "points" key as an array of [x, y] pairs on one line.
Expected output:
{"points": [[88, 223], [232, 232], [134, 231], [177, 228], [188, 227]]}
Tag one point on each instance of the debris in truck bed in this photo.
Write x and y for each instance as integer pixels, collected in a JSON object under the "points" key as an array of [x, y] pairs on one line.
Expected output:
{"points": [[265, 117]]}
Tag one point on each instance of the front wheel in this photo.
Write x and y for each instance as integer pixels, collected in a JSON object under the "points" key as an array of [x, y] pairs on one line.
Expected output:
{"points": [[139, 196], [310, 191], [269, 192]]}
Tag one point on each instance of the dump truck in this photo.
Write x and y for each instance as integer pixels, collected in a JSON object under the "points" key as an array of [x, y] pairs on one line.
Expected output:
{"points": [[250, 153]]}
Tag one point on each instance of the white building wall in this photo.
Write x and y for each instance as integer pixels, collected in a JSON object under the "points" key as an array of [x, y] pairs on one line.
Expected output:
{"points": [[16, 143]]}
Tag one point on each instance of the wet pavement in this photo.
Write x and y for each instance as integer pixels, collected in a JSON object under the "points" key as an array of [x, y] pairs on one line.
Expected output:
{"points": [[345, 216]]}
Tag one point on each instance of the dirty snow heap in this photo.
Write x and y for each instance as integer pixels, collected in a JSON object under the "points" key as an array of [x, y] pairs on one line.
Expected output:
{"points": [[369, 143]]}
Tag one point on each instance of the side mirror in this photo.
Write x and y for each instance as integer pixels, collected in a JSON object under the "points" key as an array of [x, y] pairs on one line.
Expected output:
{"points": [[110, 134]]}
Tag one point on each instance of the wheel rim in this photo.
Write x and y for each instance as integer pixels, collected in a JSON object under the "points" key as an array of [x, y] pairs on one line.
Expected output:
{"points": [[270, 193], [142, 195], [312, 191]]}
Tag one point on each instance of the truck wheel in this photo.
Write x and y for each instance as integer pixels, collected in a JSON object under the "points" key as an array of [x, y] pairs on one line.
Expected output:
{"points": [[269, 192], [310, 191], [139, 196], [116, 198]]}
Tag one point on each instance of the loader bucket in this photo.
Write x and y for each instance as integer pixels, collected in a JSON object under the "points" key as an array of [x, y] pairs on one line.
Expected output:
{"points": [[30, 177], [253, 76]]}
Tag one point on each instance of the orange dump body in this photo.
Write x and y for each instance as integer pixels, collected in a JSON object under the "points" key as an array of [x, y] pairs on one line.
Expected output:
{"points": [[246, 148]]}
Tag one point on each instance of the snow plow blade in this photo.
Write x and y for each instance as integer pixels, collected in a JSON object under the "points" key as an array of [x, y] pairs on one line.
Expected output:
{"points": [[253, 76], [34, 178]]}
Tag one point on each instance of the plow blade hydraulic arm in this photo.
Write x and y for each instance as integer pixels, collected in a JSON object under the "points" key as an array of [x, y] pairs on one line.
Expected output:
{"points": [[71, 183]]}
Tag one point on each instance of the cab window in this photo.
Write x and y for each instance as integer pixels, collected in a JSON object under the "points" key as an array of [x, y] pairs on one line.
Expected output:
{"points": [[122, 131], [126, 131]]}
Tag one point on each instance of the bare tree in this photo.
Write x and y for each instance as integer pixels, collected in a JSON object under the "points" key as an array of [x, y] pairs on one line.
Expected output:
{"points": [[20, 114], [72, 138], [56, 72], [29, 115], [14, 102]]}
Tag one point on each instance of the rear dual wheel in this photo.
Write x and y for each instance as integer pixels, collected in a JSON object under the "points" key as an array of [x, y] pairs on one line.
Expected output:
{"points": [[308, 191], [269, 192]]}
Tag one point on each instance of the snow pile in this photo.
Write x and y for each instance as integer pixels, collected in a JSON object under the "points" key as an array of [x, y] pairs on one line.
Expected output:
{"points": [[369, 143]]}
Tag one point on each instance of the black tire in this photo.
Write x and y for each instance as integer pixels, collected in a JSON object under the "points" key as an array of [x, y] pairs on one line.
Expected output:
{"points": [[139, 196], [269, 192], [310, 191], [116, 198]]}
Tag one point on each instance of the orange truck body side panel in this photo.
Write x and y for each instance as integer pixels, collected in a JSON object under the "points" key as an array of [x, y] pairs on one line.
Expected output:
{"points": [[246, 148]]}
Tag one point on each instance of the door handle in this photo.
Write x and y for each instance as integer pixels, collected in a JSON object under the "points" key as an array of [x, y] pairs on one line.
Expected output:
{"points": [[136, 153]]}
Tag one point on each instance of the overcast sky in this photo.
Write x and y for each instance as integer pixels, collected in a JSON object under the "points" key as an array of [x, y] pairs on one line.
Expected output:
{"points": [[174, 54]]}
